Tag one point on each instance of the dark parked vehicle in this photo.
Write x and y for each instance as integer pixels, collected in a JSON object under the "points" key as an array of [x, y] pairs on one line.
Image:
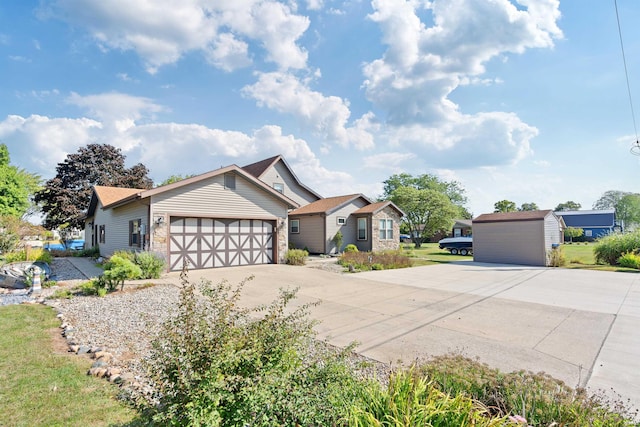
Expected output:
{"points": [[457, 245]]}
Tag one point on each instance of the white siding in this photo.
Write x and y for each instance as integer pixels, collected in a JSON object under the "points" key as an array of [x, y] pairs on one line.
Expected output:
{"points": [[279, 173], [211, 199], [116, 222], [311, 234], [510, 242], [552, 231]]}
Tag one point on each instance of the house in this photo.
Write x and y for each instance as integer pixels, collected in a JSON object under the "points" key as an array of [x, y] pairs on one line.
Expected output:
{"points": [[595, 223], [369, 226], [235, 216], [221, 218], [275, 172], [524, 237], [461, 228]]}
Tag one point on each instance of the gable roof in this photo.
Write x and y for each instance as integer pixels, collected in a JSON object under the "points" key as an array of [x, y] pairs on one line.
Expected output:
{"points": [[513, 216], [462, 223], [328, 205], [259, 168], [589, 218], [113, 197], [376, 207]]}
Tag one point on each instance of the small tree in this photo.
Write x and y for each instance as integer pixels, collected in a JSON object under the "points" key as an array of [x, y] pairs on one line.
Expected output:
{"points": [[573, 232], [337, 239], [504, 206]]}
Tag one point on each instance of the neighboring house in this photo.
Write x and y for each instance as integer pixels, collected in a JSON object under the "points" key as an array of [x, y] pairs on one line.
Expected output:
{"points": [[524, 237], [595, 223], [276, 173], [221, 218], [369, 226], [461, 228]]}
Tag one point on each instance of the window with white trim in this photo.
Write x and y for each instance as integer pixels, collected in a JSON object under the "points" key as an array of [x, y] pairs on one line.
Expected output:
{"points": [[386, 229], [103, 234], [279, 187], [341, 220], [588, 233], [295, 226], [362, 228]]}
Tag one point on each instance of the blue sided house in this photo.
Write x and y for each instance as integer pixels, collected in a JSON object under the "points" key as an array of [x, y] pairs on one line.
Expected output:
{"points": [[595, 223]]}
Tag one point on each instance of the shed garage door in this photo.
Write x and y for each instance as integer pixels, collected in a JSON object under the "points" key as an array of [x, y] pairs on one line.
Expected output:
{"points": [[209, 243]]}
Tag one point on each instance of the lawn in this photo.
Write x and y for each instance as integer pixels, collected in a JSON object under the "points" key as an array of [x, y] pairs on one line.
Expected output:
{"points": [[578, 256], [429, 253], [43, 385]]}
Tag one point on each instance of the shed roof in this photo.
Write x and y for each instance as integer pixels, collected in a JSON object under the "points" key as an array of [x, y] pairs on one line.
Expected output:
{"points": [[513, 216]]}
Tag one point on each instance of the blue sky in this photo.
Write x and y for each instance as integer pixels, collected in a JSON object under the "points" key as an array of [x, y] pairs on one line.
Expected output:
{"points": [[520, 100]]}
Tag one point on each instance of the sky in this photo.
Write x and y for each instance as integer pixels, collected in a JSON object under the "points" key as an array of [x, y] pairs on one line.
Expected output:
{"points": [[520, 100]]}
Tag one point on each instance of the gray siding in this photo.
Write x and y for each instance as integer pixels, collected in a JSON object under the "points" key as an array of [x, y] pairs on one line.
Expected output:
{"points": [[552, 232], [211, 199], [312, 234], [116, 222], [279, 173], [510, 242], [349, 230]]}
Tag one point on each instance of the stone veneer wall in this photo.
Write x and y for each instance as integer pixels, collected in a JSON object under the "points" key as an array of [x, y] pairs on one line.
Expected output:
{"points": [[159, 233], [283, 240], [381, 245]]}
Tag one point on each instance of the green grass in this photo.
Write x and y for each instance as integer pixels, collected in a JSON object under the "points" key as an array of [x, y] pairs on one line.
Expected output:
{"points": [[429, 253], [41, 385], [581, 256]]}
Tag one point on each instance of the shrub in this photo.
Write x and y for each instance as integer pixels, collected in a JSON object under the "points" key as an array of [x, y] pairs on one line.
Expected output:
{"points": [[296, 256], [94, 287], [61, 294], [555, 257], [630, 260], [93, 252], [117, 270], [385, 260], [337, 239], [215, 363], [351, 248], [151, 264], [539, 398], [29, 254], [610, 248], [410, 400]]}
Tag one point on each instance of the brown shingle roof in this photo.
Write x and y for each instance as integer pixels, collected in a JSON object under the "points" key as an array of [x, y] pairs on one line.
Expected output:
{"points": [[326, 205], [258, 168], [513, 216], [109, 195], [376, 207]]}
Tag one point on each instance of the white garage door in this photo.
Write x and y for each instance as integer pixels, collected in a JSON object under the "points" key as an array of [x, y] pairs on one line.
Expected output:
{"points": [[210, 243]]}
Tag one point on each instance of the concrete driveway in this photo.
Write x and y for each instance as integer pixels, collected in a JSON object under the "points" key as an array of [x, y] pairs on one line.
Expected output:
{"points": [[582, 327]]}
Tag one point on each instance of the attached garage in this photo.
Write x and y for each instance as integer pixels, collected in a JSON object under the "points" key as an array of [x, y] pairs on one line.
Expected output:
{"points": [[524, 238], [211, 242]]}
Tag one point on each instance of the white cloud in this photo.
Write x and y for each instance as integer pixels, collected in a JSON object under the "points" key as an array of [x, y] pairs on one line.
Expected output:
{"points": [[115, 106], [391, 161], [326, 115], [424, 64], [161, 32]]}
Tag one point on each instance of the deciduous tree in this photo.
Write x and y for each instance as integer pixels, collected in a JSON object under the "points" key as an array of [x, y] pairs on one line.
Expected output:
{"points": [[504, 206], [573, 232], [16, 186], [528, 207], [426, 211], [65, 197], [568, 206]]}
